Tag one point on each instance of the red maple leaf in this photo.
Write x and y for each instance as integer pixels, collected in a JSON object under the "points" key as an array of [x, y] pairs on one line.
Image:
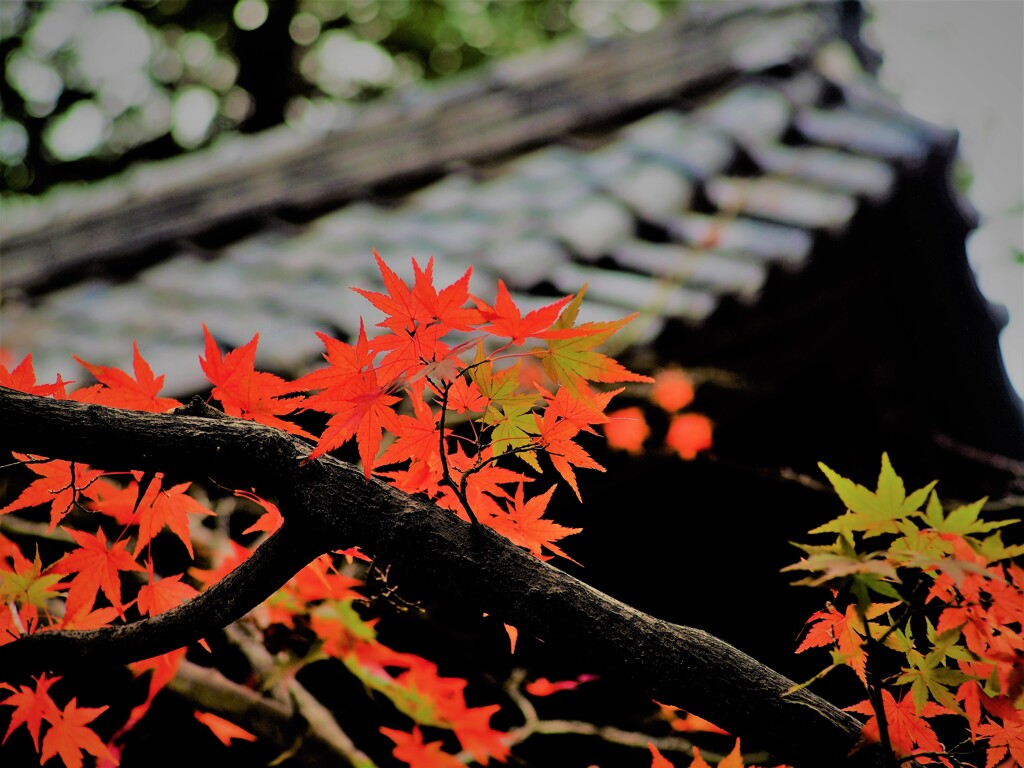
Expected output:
{"points": [[159, 595], [58, 486], [97, 566], [164, 668], [246, 392], [505, 319], [23, 379], [270, 520], [345, 363], [417, 319], [31, 706], [69, 734], [168, 507], [422, 306], [119, 390], [417, 436], [361, 405]]}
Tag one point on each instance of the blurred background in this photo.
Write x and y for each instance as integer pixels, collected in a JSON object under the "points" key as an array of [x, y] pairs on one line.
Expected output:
{"points": [[90, 87]]}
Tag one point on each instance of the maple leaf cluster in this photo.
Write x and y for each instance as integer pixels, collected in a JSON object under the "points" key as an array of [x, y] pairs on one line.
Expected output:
{"points": [[449, 356], [961, 655], [449, 390]]}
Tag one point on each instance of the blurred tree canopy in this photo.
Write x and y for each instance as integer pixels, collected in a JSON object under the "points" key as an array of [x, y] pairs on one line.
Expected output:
{"points": [[91, 86]]}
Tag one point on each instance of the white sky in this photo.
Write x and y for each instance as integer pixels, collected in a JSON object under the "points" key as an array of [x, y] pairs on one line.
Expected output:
{"points": [[960, 64]]}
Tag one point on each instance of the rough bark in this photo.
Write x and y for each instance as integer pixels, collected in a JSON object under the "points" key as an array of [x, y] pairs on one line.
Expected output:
{"points": [[328, 504]]}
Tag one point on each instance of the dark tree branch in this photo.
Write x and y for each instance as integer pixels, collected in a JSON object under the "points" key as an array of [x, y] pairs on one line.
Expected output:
{"points": [[328, 504]]}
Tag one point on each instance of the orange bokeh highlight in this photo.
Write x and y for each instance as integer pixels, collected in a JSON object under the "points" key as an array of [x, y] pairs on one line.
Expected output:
{"points": [[626, 429], [672, 389], [689, 434]]}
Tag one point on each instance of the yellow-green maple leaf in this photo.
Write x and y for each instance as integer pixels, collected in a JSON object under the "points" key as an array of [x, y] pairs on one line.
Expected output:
{"points": [[29, 586], [962, 520], [873, 512], [574, 360], [508, 411]]}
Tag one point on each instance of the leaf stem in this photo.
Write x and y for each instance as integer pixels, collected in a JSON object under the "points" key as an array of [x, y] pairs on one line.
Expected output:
{"points": [[460, 492]]}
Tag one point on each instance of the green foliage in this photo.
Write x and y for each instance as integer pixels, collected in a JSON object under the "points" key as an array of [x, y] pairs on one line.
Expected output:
{"points": [[92, 85]]}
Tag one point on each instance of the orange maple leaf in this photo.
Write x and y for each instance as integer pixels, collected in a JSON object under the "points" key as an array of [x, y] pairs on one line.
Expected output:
{"points": [[23, 379], [86, 617], [556, 437], [734, 759], [119, 390], [113, 499], [582, 410], [690, 723], [345, 363], [465, 396], [525, 525], [844, 630], [223, 729], [226, 560], [908, 729], [246, 392], [410, 748], [270, 520], [1005, 738], [544, 687], [97, 565], [658, 760], [513, 636], [57, 486], [69, 734], [698, 760]]}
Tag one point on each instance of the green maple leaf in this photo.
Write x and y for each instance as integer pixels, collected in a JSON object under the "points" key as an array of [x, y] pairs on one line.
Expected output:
{"points": [[928, 675], [873, 512]]}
